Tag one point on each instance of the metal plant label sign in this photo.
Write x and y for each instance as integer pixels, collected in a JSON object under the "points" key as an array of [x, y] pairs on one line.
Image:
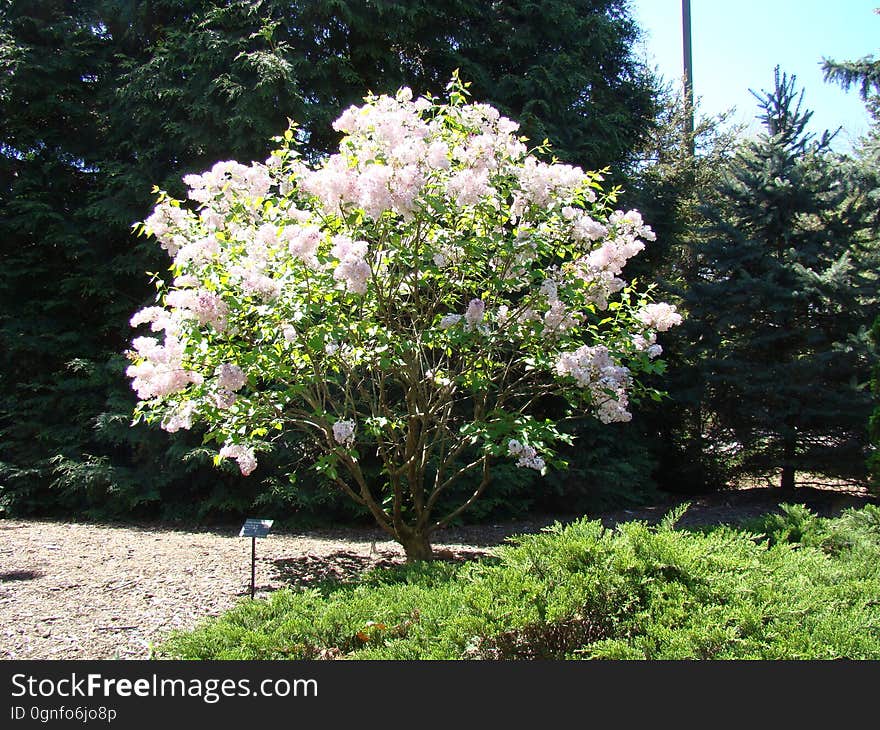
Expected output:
{"points": [[255, 528]]}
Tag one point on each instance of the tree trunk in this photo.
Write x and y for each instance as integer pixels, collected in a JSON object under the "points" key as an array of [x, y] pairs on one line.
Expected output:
{"points": [[417, 546], [787, 480]]}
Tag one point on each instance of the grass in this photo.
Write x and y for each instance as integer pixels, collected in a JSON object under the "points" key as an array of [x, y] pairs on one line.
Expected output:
{"points": [[789, 586]]}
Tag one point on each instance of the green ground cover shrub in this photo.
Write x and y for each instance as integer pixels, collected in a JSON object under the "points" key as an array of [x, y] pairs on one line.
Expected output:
{"points": [[792, 586]]}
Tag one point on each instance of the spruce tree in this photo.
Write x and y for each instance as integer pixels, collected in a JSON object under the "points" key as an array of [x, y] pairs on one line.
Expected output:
{"points": [[874, 420], [864, 73], [778, 298]]}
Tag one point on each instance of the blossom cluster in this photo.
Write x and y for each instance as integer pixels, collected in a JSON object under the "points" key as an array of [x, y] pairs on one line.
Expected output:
{"points": [[159, 371], [659, 316], [526, 455], [244, 455], [621, 239], [353, 268], [180, 418], [344, 432], [607, 382]]}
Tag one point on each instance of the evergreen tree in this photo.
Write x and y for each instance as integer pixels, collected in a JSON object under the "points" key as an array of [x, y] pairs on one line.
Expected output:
{"points": [[101, 99], [779, 296], [865, 74], [672, 188], [874, 420]]}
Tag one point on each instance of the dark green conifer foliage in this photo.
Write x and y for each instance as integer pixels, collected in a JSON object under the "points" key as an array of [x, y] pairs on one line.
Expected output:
{"points": [[669, 190], [874, 420], [778, 298], [864, 73], [102, 99]]}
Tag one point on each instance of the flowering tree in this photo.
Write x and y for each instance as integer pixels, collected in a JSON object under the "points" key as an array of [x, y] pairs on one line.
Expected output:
{"points": [[412, 298]]}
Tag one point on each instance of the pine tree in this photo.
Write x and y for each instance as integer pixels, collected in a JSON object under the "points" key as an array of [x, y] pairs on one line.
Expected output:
{"points": [[778, 299]]}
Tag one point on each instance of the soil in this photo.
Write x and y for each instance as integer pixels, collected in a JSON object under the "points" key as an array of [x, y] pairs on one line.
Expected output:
{"points": [[100, 591]]}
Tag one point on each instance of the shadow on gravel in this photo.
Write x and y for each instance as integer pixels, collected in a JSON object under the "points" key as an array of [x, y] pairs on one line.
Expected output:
{"points": [[346, 567], [13, 575], [737, 506]]}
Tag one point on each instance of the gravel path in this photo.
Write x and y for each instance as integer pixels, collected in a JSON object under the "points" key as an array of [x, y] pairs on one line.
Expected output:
{"points": [[83, 591], [86, 591]]}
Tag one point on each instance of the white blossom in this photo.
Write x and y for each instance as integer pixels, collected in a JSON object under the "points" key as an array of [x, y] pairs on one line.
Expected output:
{"points": [[343, 432]]}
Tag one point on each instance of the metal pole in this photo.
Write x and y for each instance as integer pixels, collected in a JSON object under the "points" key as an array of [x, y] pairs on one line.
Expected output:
{"points": [[688, 75], [253, 564]]}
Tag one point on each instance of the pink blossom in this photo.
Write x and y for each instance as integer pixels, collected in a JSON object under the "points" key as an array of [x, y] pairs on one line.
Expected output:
{"points": [[258, 180], [355, 273], [262, 244], [631, 223], [648, 345], [353, 268], [438, 155], [405, 186], [211, 219], [186, 281], [335, 184], [448, 254], [158, 317], [550, 289], [467, 186], [267, 234], [166, 223], [303, 242], [374, 191], [540, 182], [244, 455], [474, 314], [229, 177], [160, 371], [407, 152], [210, 308], [659, 316], [257, 284], [347, 122], [593, 368], [558, 319], [199, 251], [224, 399], [585, 228], [585, 363], [528, 456], [344, 247], [181, 418], [230, 377], [204, 306]]}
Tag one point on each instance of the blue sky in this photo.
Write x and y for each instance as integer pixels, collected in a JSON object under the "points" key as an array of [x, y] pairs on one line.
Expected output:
{"points": [[737, 43]]}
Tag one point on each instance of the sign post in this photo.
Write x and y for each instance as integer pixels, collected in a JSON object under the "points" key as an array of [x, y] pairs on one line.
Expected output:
{"points": [[254, 529]]}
